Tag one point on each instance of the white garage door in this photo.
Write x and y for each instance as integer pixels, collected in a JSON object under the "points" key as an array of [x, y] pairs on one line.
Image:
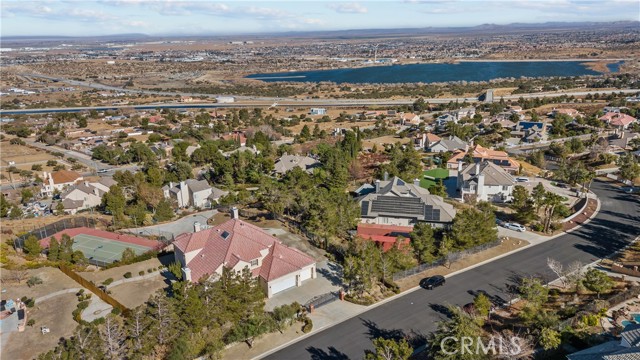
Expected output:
{"points": [[282, 284], [305, 274]]}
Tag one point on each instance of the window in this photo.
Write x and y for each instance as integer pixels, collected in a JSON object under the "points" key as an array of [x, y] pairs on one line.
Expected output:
{"points": [[505, 188], [254, 262]]}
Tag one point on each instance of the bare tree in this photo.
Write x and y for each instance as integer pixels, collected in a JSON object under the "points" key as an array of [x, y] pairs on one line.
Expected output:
{"points": [[137, 328], [513, 346], [83, 343], [112, 338], [19, 275], [574, 274], [163, 316], [558, 269]]}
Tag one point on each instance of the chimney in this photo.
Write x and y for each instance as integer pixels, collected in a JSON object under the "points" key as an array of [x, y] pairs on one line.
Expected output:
{"points": [[386, 176], [477, 168], [377, 186], [234, 212], [459, 166], [480, 190], [197, 226], [186, 274], [416, 182]]}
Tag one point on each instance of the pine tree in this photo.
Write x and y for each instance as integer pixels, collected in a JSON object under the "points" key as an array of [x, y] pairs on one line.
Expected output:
{"points": [[32, 246], [54, 249]]}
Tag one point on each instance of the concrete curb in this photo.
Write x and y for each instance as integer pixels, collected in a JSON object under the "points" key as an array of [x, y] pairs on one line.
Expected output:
{"points": [[394, 297]]}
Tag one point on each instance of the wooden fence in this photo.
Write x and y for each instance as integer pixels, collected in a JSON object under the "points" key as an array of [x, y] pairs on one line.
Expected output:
{"points": [[94, 289]]}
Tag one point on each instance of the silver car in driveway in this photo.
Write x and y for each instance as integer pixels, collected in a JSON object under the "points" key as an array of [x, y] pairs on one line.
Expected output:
{"points": [[515, 226]]}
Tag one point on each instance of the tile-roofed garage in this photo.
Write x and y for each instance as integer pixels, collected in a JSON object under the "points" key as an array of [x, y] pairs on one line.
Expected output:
{"points": [[235, 245]]}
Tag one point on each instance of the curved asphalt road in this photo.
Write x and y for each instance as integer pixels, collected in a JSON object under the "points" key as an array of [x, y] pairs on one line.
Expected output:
{"points": [[617, 224]]}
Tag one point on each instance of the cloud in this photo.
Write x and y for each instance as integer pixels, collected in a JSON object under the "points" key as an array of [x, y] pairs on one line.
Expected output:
{"points": [[314, 21], [349, 8], [262, 13]]}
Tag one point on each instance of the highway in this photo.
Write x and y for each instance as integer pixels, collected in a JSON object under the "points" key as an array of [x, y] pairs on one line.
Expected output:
{"points": [[615, 226]]}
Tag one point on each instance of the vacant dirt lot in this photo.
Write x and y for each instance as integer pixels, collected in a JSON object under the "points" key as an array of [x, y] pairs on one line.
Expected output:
{"points": [[136, 293], [52, 280], [117, 273], [55, 314], [381, 141]]}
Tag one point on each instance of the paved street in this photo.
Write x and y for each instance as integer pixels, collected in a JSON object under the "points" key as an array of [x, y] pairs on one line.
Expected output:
{"points": [[617, 223]]}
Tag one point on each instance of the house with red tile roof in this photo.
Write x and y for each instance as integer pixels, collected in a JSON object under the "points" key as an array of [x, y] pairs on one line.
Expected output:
{"points": [[385, 236], [479, 154], [236, 245], [619, 120]]}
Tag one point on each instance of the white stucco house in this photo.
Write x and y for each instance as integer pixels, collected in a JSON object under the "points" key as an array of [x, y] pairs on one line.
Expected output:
{"points": [[58, 180], [193, 193]]}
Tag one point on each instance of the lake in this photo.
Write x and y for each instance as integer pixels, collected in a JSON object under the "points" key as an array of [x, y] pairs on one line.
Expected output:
{"points": [[430, 73]]}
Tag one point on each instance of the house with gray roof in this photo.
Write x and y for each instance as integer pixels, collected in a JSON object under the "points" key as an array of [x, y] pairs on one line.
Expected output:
{"points": [[287, 163], [628, 348], [84, 195], [396, 202], [485, 181], [452, 143], [193, 193]]}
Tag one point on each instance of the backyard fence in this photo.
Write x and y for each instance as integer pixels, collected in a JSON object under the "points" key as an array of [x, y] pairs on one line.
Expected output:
{"points": [[48, 230], [595, 306], [94, 289], [442, 261]]}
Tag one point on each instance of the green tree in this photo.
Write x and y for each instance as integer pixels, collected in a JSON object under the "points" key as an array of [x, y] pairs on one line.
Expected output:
{"points": [[597, 281], [26, 195], [482, 304], [438, 189], [629, 167], [54, 249], [115, 202], [5, 206], [305, 133], [533, 291], [423, 242], [32, 246], [389, 349], [15, 213], [59, 208], [459, 325], [82, 123], [474, 226], [550, 339], [249, 330], [164, 211]]}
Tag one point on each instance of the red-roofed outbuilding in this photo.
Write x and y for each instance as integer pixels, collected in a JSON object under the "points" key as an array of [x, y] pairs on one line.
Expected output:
{"points": [[385, 235]]}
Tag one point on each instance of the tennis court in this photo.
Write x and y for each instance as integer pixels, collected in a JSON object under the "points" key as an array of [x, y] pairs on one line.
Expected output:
{"points": [[103, 250]]}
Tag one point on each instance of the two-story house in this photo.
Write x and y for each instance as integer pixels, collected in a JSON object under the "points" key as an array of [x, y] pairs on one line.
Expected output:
{"points": [[237, 245], [485, 181], [194, 193], [58, 180]]}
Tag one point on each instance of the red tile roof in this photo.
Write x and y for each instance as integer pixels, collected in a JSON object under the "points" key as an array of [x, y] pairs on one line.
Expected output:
{"points": [[151, 244], [385, 235], [617, 119], [64, 176], [241, 242]]}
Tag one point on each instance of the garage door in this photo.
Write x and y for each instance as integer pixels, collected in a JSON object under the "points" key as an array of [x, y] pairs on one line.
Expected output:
{"points": [[282, 284], [305, 274]]}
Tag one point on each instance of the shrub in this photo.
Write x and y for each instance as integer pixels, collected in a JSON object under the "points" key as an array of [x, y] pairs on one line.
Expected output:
{"points": [[30, 303], [141, 273], [590, 320], [149, 271], [33, 281], [107, 282], [83, 305], [537, 227], [31, 322], [556, 226], [115, 311], [80, 292], [127, 275], [308, 324]]}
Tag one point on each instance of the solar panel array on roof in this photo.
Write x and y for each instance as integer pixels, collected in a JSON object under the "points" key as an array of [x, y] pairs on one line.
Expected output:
{"points": [[398, 205], [364, 208]]}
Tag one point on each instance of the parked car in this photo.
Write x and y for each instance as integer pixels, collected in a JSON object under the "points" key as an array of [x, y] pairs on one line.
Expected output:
{"points": [[630, 190], [102, 171], [522, 179], [515, 226], [432, 282], [500, 222]]}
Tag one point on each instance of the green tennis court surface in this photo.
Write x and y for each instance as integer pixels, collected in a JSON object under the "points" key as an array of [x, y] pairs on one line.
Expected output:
{"points": [[105, 250]]}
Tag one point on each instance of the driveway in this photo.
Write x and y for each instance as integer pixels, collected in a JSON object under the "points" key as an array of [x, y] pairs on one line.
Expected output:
{"points": [[174, 228], [328, 279]]}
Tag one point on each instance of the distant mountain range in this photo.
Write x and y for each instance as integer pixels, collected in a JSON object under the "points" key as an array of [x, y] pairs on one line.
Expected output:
{"points": [[514, 28]]}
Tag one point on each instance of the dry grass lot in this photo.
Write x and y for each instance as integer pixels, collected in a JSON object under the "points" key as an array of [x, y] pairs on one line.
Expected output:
{"points": [[136, 293], [117, 273], [381, 141], [54, 313], [24, 157], [505, 247], [52, 280]]}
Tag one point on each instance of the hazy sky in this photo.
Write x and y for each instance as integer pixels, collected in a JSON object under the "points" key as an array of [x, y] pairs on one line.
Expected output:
{"points": [[167, 17]]}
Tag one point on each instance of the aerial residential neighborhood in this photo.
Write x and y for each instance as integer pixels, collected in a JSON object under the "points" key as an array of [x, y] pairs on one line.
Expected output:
{"points": [[320, 180]]}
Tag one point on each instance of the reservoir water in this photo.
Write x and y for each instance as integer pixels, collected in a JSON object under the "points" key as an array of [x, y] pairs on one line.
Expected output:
{"points": [[430, 73]]}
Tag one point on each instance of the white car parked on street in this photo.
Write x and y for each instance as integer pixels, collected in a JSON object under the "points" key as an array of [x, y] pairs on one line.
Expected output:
{"points": [[515, 226]]}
